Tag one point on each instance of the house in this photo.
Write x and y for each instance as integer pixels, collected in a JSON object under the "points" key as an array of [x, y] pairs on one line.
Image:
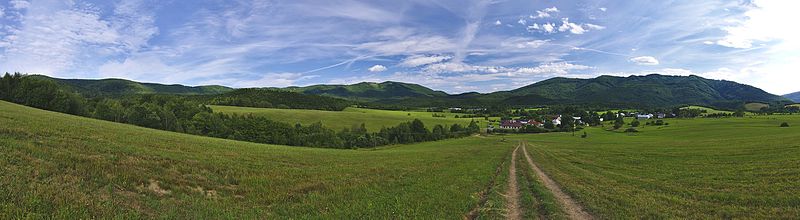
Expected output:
{"points": [[661, 115], [557, 121], [536, 123], [455, 109], [510, 124], [644, 117]]}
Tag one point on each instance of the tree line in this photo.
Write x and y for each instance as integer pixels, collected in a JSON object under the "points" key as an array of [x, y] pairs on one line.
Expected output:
{"points": [[188, 114]]}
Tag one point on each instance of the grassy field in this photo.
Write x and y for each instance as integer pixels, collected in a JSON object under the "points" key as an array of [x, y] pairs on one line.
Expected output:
{"points": [[66, 167], [693, 168], [61, 166], [373, 119], [708, 110], [755, 107]]}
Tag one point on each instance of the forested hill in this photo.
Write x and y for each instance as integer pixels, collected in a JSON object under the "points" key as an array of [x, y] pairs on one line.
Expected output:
{"points": [[369, 91], [793, 96], [120, 87], [272, 98], [607, 91], [650, 90]]}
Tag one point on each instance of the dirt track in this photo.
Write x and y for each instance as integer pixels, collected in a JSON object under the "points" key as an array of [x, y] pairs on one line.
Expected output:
{"points": [[571, 207], [512, 193]]}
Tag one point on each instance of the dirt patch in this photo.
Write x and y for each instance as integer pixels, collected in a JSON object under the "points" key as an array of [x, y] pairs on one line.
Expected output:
{"points": [[512, 193], [571, 207], [209, 193], [154, 187]]}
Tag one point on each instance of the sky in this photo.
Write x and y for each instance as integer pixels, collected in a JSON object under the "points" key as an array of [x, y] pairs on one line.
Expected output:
{"points": [[451, 45]]}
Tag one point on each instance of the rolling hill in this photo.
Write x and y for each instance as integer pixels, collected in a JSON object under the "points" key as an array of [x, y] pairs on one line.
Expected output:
{"points": [[634, 91], [793, 96], [369, 91], [649, 90], [117, 87], [58, 166]]}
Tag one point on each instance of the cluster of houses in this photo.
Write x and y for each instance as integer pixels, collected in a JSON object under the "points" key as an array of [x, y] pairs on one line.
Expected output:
{"points": [[517, 124]]}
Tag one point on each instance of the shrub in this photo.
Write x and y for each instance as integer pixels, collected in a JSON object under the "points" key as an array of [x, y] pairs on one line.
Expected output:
{"points": [[584, 135], [635, 123], [631, 130], [783, 125]]}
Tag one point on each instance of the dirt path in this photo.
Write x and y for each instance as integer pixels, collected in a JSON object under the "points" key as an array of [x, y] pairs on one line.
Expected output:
{"points": [[572, 208], [512, 193]]}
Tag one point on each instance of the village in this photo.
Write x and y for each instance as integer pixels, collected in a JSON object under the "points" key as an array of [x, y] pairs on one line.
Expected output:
{"points": [[556, 121]]}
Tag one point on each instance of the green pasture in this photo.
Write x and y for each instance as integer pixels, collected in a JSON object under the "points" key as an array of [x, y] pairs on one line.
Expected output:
{"points": [[373, 119]]}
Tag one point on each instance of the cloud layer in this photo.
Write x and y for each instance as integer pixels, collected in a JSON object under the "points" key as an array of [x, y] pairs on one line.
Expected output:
{"points": [[455, 46]]}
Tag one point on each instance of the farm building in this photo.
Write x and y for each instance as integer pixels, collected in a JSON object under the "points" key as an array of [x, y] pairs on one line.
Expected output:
{"points": [[510, 124], [644, 117]]}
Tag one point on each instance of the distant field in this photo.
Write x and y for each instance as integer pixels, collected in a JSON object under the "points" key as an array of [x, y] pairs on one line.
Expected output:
{"points": [[754, 106], [691, 169], [373, 119], [57, 166], [708, 110]]}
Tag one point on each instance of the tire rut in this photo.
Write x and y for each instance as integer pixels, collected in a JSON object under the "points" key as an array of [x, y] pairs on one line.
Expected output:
{"points": [[573, 209]]}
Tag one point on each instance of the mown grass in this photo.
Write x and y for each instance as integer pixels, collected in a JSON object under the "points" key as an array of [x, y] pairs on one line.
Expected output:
{"points": [[67, 167], [373, 119], [693, 168]]}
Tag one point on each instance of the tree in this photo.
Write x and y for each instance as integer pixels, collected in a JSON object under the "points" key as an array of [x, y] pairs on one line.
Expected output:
{"points": [[548, 124], [619, 122], [473, 127], [738, 113], [635, 123], [785, 124]]}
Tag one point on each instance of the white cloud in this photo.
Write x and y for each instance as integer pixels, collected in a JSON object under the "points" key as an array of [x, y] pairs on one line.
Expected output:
{"points": [[765, 21], [645, 60], [708, 42], [571, 27], [551, 69], [549, 27], [522, 21], [523, 43], [377, 68], [603, 9], [19, 4], [498, 22], [594, 26], [544, 13], [421, 60]]}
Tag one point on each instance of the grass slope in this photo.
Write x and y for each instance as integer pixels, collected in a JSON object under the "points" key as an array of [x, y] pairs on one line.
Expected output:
{"points": [[373, 119], [67, 167], [692, 168]]}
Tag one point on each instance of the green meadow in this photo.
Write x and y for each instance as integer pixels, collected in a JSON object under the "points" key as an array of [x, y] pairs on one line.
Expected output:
{"points": [[58, 166], [62, 166], [373, 119], [690, 169], [708, 110]]}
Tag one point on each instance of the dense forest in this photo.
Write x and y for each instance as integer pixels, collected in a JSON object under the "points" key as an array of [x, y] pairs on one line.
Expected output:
{"points": [[189, 114], [271, 98]]}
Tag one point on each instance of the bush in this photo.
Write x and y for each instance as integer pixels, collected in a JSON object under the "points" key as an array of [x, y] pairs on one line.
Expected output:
{"points": [[631, 130], [584, 135], [783, 125], [635, 123]]}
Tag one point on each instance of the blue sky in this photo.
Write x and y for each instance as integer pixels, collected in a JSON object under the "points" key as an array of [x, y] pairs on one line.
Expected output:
{"points": [[454, 46]]}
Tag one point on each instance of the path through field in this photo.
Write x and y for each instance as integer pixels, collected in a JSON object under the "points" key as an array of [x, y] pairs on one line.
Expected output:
{"points": [[512, 193], [572, 208]]}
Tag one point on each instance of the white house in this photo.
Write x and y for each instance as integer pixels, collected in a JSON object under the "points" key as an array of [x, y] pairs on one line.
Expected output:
{"points": [[645, 117], [557, 121]]}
